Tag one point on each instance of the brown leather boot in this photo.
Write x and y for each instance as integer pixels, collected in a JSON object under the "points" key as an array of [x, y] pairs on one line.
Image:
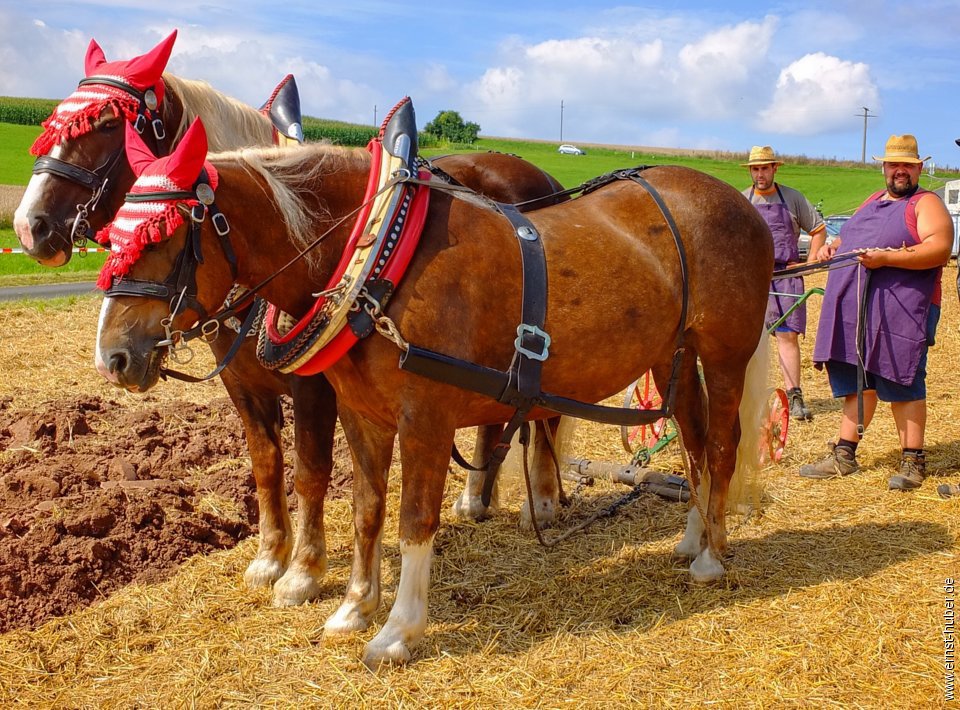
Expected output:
{"points": [[913, 469], [841, 461]]}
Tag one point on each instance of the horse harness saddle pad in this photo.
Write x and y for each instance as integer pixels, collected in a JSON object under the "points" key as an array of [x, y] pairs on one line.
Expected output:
{"points": [[376, 257]]}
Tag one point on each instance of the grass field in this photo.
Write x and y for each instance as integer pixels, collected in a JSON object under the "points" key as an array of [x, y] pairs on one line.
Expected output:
{"points": [[840, 187]]}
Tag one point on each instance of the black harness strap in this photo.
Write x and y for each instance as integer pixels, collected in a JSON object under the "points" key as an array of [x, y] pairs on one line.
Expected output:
{"points": [[520, 385], [531, 348]]}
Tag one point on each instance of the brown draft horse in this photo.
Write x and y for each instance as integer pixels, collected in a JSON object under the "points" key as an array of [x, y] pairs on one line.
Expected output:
{"points": [[44, 221], [613, 310]]}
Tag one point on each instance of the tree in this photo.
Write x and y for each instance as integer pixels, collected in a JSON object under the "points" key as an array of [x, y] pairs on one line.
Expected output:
{"points": [[448, 125]]}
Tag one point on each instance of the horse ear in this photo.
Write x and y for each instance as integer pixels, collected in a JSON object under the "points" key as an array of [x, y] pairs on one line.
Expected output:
{"points": [[94, 59], [146, 69], [138, 154], [186, 161]]}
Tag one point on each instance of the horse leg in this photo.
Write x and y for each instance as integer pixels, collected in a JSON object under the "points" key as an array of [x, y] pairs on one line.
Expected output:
{"points": [[371, 449], [468, 505], [544, 487], [725, 387], [261, 419], [424, 446], [690, 416], [315, 419]]}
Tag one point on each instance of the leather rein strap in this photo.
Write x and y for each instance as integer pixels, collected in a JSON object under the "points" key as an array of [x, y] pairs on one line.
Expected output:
{"points": [[520, 386]]}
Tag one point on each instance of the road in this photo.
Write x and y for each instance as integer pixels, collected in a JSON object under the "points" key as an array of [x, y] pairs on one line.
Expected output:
{"points": [[15, 293]]}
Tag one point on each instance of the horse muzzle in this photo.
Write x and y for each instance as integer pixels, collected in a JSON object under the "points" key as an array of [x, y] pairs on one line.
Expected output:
{"points": [[132, 370], [41, 241]]}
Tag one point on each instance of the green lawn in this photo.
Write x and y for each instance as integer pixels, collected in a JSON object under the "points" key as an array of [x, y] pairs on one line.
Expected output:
{"points": [[21, 270], [16, 163]]}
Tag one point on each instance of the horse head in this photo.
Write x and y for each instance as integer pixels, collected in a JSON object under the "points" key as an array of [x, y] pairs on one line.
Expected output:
{"points": [[80, 174], [150, 278]]}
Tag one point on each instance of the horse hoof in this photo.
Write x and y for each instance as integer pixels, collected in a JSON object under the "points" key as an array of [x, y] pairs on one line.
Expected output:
{"points": [[296, 587], [262, 572], [394, 653], [345, 620], [546, 515], [706, 568], [471, 508]]}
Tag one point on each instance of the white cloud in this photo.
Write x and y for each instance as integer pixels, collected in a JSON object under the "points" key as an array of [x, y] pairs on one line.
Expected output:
{"points": [[624, 84], [819, 93]]}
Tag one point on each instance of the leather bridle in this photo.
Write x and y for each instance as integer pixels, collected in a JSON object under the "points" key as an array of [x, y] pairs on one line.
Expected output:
{"points": [[98, 179]]}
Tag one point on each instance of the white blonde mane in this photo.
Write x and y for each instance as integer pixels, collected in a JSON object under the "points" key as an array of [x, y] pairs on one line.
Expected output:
{"points": [[295, 176], [229, 123]]}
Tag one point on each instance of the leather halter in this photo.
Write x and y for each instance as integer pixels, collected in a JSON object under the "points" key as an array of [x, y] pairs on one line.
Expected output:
{"points": [[96, 180]]}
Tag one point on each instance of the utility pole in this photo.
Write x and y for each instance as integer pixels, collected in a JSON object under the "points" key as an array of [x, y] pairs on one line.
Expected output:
{"points": [[374, 115], [561, 120], [866, 115]]}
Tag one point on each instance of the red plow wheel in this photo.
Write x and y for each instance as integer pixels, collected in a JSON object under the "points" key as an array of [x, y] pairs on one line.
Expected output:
{"points": [[773, 438], [642, 394]]}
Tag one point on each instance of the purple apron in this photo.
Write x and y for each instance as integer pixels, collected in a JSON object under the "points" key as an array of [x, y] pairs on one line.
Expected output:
{"points": [[898, 300], [780, 221]]}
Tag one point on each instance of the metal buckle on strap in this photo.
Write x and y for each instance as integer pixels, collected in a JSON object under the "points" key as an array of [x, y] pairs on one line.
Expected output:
{"points": [[158, 129], [140, 123], [220, 224], [523, 330]]}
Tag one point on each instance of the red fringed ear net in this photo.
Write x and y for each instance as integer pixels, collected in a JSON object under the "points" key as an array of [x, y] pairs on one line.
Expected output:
{"points": [[77, 113], [138, 224]]}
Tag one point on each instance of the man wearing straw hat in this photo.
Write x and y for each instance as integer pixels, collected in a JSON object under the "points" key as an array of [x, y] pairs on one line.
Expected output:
{"points": [[786, 211], [903, 236]]}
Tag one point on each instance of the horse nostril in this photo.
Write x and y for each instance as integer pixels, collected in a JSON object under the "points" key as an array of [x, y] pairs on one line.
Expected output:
{"points": [[118, 362], [40, 228]]}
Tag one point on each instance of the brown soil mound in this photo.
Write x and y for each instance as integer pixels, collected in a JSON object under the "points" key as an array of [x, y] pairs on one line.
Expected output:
{"points": [[95, 495]]}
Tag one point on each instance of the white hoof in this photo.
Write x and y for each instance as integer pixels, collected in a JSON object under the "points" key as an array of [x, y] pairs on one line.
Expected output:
{"points": [[346, 620], [296, 587], [706, 568], [469, 507], [546, 514], [262, 572], [388, 653]]}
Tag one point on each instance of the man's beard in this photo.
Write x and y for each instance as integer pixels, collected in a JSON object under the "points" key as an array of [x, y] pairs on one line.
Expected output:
{"points": [[901, 191]]}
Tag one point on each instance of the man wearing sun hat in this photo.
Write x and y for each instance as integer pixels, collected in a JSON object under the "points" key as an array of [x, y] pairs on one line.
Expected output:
{"points": [[905, 234], [786, 211]]}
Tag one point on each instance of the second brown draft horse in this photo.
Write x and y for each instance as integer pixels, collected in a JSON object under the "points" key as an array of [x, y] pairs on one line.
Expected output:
{"points": [[79, 184], [613, 309]]}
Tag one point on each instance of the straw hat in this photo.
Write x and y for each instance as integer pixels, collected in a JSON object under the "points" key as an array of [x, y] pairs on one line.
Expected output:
{"points": [[761, 155], [901, 149]]}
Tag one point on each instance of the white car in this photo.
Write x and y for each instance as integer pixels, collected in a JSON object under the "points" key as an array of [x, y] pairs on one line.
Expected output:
{"points": [[568, 149]]}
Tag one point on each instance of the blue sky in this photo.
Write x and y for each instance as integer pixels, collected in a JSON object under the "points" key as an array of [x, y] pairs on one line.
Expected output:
{"points": [[724, 76]]}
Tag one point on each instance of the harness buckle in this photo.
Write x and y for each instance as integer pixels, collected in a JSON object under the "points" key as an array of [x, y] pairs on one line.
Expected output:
{"points": [[140, 123], [158, 130], [524, 330], [197, 213], [220, 224]]}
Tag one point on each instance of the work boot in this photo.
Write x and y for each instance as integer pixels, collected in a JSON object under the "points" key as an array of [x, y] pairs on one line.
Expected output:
{"points": [[798, 410], [913, 469], [841, 461]]}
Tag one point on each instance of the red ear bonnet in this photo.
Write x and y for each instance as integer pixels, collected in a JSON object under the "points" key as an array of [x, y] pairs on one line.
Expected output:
{"points": [[155, 216], [138, 154], [77, 113]]}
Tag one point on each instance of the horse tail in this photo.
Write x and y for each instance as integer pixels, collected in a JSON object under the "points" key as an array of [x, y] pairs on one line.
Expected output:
{"points": [[745, 492]]}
